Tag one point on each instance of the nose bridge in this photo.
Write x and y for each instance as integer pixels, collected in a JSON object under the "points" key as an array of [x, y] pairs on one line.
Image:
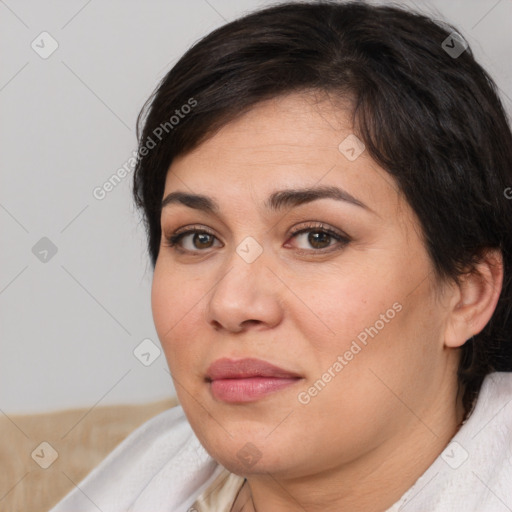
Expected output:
{"points": [[243, 291], [245, 268]]}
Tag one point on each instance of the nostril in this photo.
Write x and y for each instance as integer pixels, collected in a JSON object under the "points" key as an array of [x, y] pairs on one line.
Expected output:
{"points": [[216, 325], [251, 322]]}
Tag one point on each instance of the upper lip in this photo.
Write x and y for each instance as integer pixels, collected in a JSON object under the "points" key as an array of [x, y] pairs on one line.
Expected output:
{"points": [[245, 368]]}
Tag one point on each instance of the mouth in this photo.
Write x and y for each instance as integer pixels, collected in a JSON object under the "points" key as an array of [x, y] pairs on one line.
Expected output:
{"points": [[247, 380]]}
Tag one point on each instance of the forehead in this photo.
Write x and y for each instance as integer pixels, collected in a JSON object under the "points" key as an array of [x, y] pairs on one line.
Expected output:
{"points": [[295, 124], [288, 142]]}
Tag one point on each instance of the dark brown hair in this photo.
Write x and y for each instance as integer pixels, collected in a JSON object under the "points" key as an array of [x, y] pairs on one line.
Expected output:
{"points": [[432, 119]]}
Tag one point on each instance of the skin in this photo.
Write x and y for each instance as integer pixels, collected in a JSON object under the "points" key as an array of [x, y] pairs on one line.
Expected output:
{"points": [[366, 437]]}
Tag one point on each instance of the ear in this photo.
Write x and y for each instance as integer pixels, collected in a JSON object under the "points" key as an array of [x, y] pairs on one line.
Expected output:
{"points": [[475, 299]]}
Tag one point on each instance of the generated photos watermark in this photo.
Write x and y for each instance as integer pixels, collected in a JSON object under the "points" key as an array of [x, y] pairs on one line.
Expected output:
{"points": [[304, 397], [101, 191]]}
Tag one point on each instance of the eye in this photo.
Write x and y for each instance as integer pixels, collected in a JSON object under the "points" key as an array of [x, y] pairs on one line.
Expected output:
{"points": [[319, 237], [197, 239]]}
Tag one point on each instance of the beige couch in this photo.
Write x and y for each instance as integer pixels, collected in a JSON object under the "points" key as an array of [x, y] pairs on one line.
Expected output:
{"points": [[77, 440]]}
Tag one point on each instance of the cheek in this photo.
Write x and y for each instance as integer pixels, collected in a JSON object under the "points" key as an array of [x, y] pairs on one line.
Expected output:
{"points": [[163, 300], [374, 324], [168, 306], [172, 297], [334, 312], [176, 304]]}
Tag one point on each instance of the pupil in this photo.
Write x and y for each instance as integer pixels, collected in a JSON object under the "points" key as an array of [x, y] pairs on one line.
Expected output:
{"points": [[203, 238], [315, 237]]}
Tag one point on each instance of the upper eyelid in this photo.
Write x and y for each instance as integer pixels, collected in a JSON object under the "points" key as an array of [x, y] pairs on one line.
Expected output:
{"points": [[310, 225]]}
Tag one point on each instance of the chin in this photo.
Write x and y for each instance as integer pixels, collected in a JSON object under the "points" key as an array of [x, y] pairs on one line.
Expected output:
{"points": [[248, 460]]}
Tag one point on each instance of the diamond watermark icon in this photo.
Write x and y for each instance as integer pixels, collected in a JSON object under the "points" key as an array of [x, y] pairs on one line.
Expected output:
{"points": [[249, 454], [147, 352], [44, 250], [44, 45], [249, 249], [454, 45], [45, 455], [454, 455], [351, 147]]}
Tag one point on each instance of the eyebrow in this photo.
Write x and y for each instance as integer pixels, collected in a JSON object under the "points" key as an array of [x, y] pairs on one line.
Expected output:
{"points": [[276, 201]]}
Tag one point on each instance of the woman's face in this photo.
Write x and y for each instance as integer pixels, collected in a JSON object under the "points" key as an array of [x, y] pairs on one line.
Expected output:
{"points": [[348, 307]]}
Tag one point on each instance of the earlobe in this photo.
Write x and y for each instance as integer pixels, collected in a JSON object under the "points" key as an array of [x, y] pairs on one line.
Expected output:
{"points": [[478, 294]]}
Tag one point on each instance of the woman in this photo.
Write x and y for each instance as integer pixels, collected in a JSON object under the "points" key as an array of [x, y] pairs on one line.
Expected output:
{"points": [[323, 186]]}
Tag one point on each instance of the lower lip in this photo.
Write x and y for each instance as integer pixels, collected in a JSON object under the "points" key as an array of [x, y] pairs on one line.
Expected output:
{"points": [[248, 390]]}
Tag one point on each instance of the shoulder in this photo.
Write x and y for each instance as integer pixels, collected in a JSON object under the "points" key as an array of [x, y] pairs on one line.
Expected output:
{"points": [[497, 384], [161, 460], [493, 407], [489, 426], [474, 470]]}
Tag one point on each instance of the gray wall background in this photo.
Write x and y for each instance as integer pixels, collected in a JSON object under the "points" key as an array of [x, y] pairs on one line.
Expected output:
{"points": [[70, 320]]}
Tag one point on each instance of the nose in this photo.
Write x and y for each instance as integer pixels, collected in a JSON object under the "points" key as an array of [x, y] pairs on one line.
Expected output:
{"points": [[245, 296]]}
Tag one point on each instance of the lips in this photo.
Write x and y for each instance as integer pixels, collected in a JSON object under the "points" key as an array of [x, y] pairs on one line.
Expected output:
{"points": [[246, 368], [247, 380]]}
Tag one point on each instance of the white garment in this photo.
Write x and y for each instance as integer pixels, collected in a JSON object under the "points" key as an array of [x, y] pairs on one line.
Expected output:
{"points": [[162, 466]]}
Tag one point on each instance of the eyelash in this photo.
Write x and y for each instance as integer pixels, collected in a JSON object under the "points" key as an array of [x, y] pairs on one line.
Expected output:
{"points": [[175, 239]]}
